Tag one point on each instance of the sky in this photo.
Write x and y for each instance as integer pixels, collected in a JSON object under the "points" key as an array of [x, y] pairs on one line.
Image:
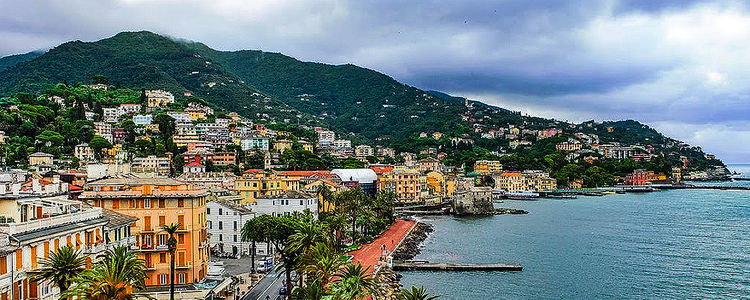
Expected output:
{"points": [[678, 66]]}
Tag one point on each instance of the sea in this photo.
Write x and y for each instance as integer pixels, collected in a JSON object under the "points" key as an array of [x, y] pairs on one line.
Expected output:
{"points": [[675, 244]]}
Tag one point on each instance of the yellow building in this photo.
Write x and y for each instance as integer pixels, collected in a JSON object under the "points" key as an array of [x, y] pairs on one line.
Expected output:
{"points": [[282, 145], [156, 202], [407, 184], [306, 145], [158, 98], [257, 182], [436, 182], [312, 189], [40, 158], [197, 115], [488, 166], [526, 181]]}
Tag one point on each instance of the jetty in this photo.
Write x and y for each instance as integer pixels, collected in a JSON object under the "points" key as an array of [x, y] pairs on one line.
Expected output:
{"points": [[427, 266]]}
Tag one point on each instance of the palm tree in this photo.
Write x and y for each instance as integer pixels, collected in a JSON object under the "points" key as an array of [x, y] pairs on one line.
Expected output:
{"points": [[322, 263], [310, 291], [336, 224], [171, 229], [61, 267], [354, 283], [416, 293], [253, 231], [118, 275]]}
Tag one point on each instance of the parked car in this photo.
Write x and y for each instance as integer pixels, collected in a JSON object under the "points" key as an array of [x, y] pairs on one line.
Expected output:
{"points": [[283, 290]]}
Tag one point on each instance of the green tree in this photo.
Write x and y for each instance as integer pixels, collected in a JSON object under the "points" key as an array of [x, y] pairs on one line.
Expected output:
{"points": [[98, 144], [118, 275], [415, 293], [61, 268]]}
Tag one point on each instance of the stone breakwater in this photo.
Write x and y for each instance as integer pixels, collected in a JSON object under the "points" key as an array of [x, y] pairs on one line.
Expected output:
{"points": [[410, 247], [510, 211], [388, 285]]}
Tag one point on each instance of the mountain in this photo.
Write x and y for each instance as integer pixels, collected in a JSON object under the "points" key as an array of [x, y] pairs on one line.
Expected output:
{"points": [[12, 60], [139, 60], [358, 103]]}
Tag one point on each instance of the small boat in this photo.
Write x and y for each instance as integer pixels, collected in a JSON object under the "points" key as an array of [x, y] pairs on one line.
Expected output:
{"points": [[521, 195]]}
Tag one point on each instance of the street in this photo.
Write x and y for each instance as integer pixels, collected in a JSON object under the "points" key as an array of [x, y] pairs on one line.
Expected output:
{"points": [[268, 286]]}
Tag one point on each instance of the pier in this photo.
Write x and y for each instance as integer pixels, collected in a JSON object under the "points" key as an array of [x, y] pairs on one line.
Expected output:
{"points": [[427, 266]]}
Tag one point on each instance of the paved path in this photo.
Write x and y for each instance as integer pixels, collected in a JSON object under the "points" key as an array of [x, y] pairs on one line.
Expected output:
{"points": [[369, 254]]}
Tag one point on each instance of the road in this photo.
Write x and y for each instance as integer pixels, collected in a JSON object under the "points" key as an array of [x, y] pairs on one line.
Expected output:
{"points": [[268, 286]]}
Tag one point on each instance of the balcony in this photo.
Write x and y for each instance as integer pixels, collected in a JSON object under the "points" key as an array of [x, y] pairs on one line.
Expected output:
{"points": [[87, 214]]}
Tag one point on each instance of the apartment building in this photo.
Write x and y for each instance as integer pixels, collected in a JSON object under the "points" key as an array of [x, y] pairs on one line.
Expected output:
{"points": [[33, 227], [255, 183], [488, 166], [225, 220], [286, 203], [156, 202]]}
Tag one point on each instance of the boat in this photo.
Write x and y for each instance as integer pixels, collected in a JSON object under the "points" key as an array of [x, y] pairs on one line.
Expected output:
{"points": [[521, 195]]}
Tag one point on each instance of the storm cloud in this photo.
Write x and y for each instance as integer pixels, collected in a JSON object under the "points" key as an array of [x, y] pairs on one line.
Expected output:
{"points": [[679, 66]]}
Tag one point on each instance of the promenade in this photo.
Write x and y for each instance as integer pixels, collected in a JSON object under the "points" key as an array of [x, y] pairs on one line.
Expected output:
{"points": [[369, 254]]}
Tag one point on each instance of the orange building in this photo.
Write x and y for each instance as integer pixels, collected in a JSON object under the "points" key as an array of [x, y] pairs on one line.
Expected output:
{"points": [[156, 202]]}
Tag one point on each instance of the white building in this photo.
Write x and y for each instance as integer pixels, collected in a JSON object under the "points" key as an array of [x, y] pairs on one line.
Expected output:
{"points": [[255, 141], [342, 143], [129, 109], [326, 137], [110, 114], [285, 203], [143, 119], [225, 219], [179, 116]]}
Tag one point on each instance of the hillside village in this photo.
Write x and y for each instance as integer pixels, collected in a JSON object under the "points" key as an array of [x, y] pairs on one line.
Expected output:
{"points": [[123, 162]]}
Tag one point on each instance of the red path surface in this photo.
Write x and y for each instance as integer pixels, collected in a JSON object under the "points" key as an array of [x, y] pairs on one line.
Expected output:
{"points": [[369, 254]]}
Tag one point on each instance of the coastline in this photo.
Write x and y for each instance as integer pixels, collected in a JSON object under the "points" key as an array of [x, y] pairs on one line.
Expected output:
{"points": [[388, 280]]}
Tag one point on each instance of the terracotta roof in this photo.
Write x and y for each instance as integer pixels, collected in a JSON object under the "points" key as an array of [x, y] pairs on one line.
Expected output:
{"points": [[250, 171], [194, 164], [381, 170]]}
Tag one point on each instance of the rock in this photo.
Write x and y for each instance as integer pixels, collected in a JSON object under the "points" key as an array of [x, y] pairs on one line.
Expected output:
{"points": [[510, 211], [410, 246]]}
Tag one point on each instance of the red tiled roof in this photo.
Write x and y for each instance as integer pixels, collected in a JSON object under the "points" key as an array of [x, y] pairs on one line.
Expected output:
{"points": [[381, 170], [250, 171], [194, 164]]}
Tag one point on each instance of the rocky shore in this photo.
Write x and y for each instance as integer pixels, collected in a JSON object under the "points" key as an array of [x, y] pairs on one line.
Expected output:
{"points": [[510, 211], [410, 247], [388, 284], [387, 280]]}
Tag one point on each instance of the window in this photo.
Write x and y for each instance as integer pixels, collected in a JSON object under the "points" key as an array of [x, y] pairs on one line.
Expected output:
{"points": [[209, 225], [181, 238], [208, 210], [162, 258], [235, 225], [162, 203], [221, 239], [147, 203], [235, 238], [148, 261], [180, 202], [3, 265], [300, 202], [162, 278], [221, 225], [220, 211], [147, 240], [115, 204], [162, 221], [162, 239], [181, 278], [181, 221]]}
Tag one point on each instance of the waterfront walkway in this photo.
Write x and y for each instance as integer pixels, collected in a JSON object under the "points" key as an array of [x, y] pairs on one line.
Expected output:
{"points": [[369, 254]]}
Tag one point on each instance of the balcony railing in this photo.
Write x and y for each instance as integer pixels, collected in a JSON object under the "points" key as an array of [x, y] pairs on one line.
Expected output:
{"points": [[88, 214]]}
